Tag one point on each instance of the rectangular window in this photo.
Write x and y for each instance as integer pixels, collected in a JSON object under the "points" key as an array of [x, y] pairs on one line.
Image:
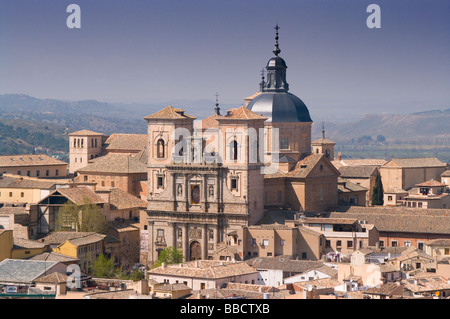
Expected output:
{"points": [[85, 178], [381, 243], [38, 173], [447, 251], [407, 244], [47, 172], [282, 242], [269, 254], [160, 181], [160, 233], [28, 173], [19, 173], [113, 184], [253, 242], [57, 172], [234, 183], [349, 243], [284, 143], [389, 198], [338, 243], [103, 183], [420, 246], [304, 255], [265, 242], [10, 194], [394, 243], [22, 194], [327, 243]]}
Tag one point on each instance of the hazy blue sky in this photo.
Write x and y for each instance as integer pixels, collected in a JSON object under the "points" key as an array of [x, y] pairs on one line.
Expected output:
{"points": [[152, 50]]}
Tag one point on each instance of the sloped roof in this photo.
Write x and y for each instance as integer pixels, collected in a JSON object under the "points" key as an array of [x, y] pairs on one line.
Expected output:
{"points": [[132, 142], [78, 195], [322, 141], [241, 113], [385, 290], [360, 171], [52, 256], [23, 271], [439, 242], [208, 269], [359, 162], [115, 163], [85, 132], [25, 182], [415, 162], [55, 277], [345, 186], [431, 183], [446, 173], [170, 113], [22, 243], [404, 222], [14, 211], [56, 238], [85, 240], [285, 263], [120, 199], [305, 166], [29, 160]]}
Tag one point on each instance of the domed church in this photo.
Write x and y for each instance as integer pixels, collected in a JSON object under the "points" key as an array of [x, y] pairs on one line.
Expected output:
{"points": [[284, 110]]}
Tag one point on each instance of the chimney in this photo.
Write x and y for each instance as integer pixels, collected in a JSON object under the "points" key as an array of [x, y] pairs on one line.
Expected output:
{"points": [[339, 156]]}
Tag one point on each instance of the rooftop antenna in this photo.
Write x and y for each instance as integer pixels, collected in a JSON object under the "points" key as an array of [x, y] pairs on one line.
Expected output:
{"points": [[277, 50], [217, 108]]}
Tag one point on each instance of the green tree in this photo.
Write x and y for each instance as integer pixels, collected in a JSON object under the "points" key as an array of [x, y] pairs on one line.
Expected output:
{"points": [[87, 217], [104, 267], [377, 195], [137, 275], [92, 218], [67, 218], [170, 255]]}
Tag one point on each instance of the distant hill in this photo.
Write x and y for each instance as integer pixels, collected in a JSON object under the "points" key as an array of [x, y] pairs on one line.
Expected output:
{"points": [[420, 126], [25, 137]]}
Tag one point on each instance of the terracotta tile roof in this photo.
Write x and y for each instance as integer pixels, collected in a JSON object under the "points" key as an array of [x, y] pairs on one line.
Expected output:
{"points": [[429, 284], [14, 211], [29, 160], [78, 195], [431, 183], [388, 289], [345, 186], [209, 122], [361, 171], [322, 141], [25, 182], [86, 240], [284, 263], [208, 269], [170, 113], [340, 220], [241, 113], [415, 162], [124, 142], [52, 256], [57, 238], [439, 242], [305, 166], [22, 243], [359, 162], [84, 133], [395, 190], [115, 163], [120, 199], [401, 220], [55, 277], [446, 173]]}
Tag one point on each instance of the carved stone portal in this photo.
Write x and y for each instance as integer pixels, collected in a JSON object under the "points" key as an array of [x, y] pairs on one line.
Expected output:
{"points": [[195, 233]]}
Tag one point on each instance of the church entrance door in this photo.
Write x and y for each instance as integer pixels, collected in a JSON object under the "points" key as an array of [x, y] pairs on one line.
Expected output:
{"points": [[195, 251]]}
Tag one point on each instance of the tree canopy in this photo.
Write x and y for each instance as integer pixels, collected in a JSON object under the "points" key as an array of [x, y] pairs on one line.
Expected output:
{"points": [[170, 255]]}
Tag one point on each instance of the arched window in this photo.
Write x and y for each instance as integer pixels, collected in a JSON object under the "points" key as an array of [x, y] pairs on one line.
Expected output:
{"points": [[82, 143], [74, 142], [317, 151], [92, 142], [95, 142], [160, 150], [327, 153]]}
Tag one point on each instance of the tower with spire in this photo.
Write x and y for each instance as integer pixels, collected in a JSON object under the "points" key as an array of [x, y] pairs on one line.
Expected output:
{"points": [[284, 110]]}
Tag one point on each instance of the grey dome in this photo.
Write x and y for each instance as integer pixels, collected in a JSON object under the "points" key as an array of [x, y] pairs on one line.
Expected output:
{"points": [[280, 107], [276, 62]]}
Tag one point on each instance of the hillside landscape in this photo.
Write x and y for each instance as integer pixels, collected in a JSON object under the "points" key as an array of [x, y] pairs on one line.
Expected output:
{"points": [[29, 125]]}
